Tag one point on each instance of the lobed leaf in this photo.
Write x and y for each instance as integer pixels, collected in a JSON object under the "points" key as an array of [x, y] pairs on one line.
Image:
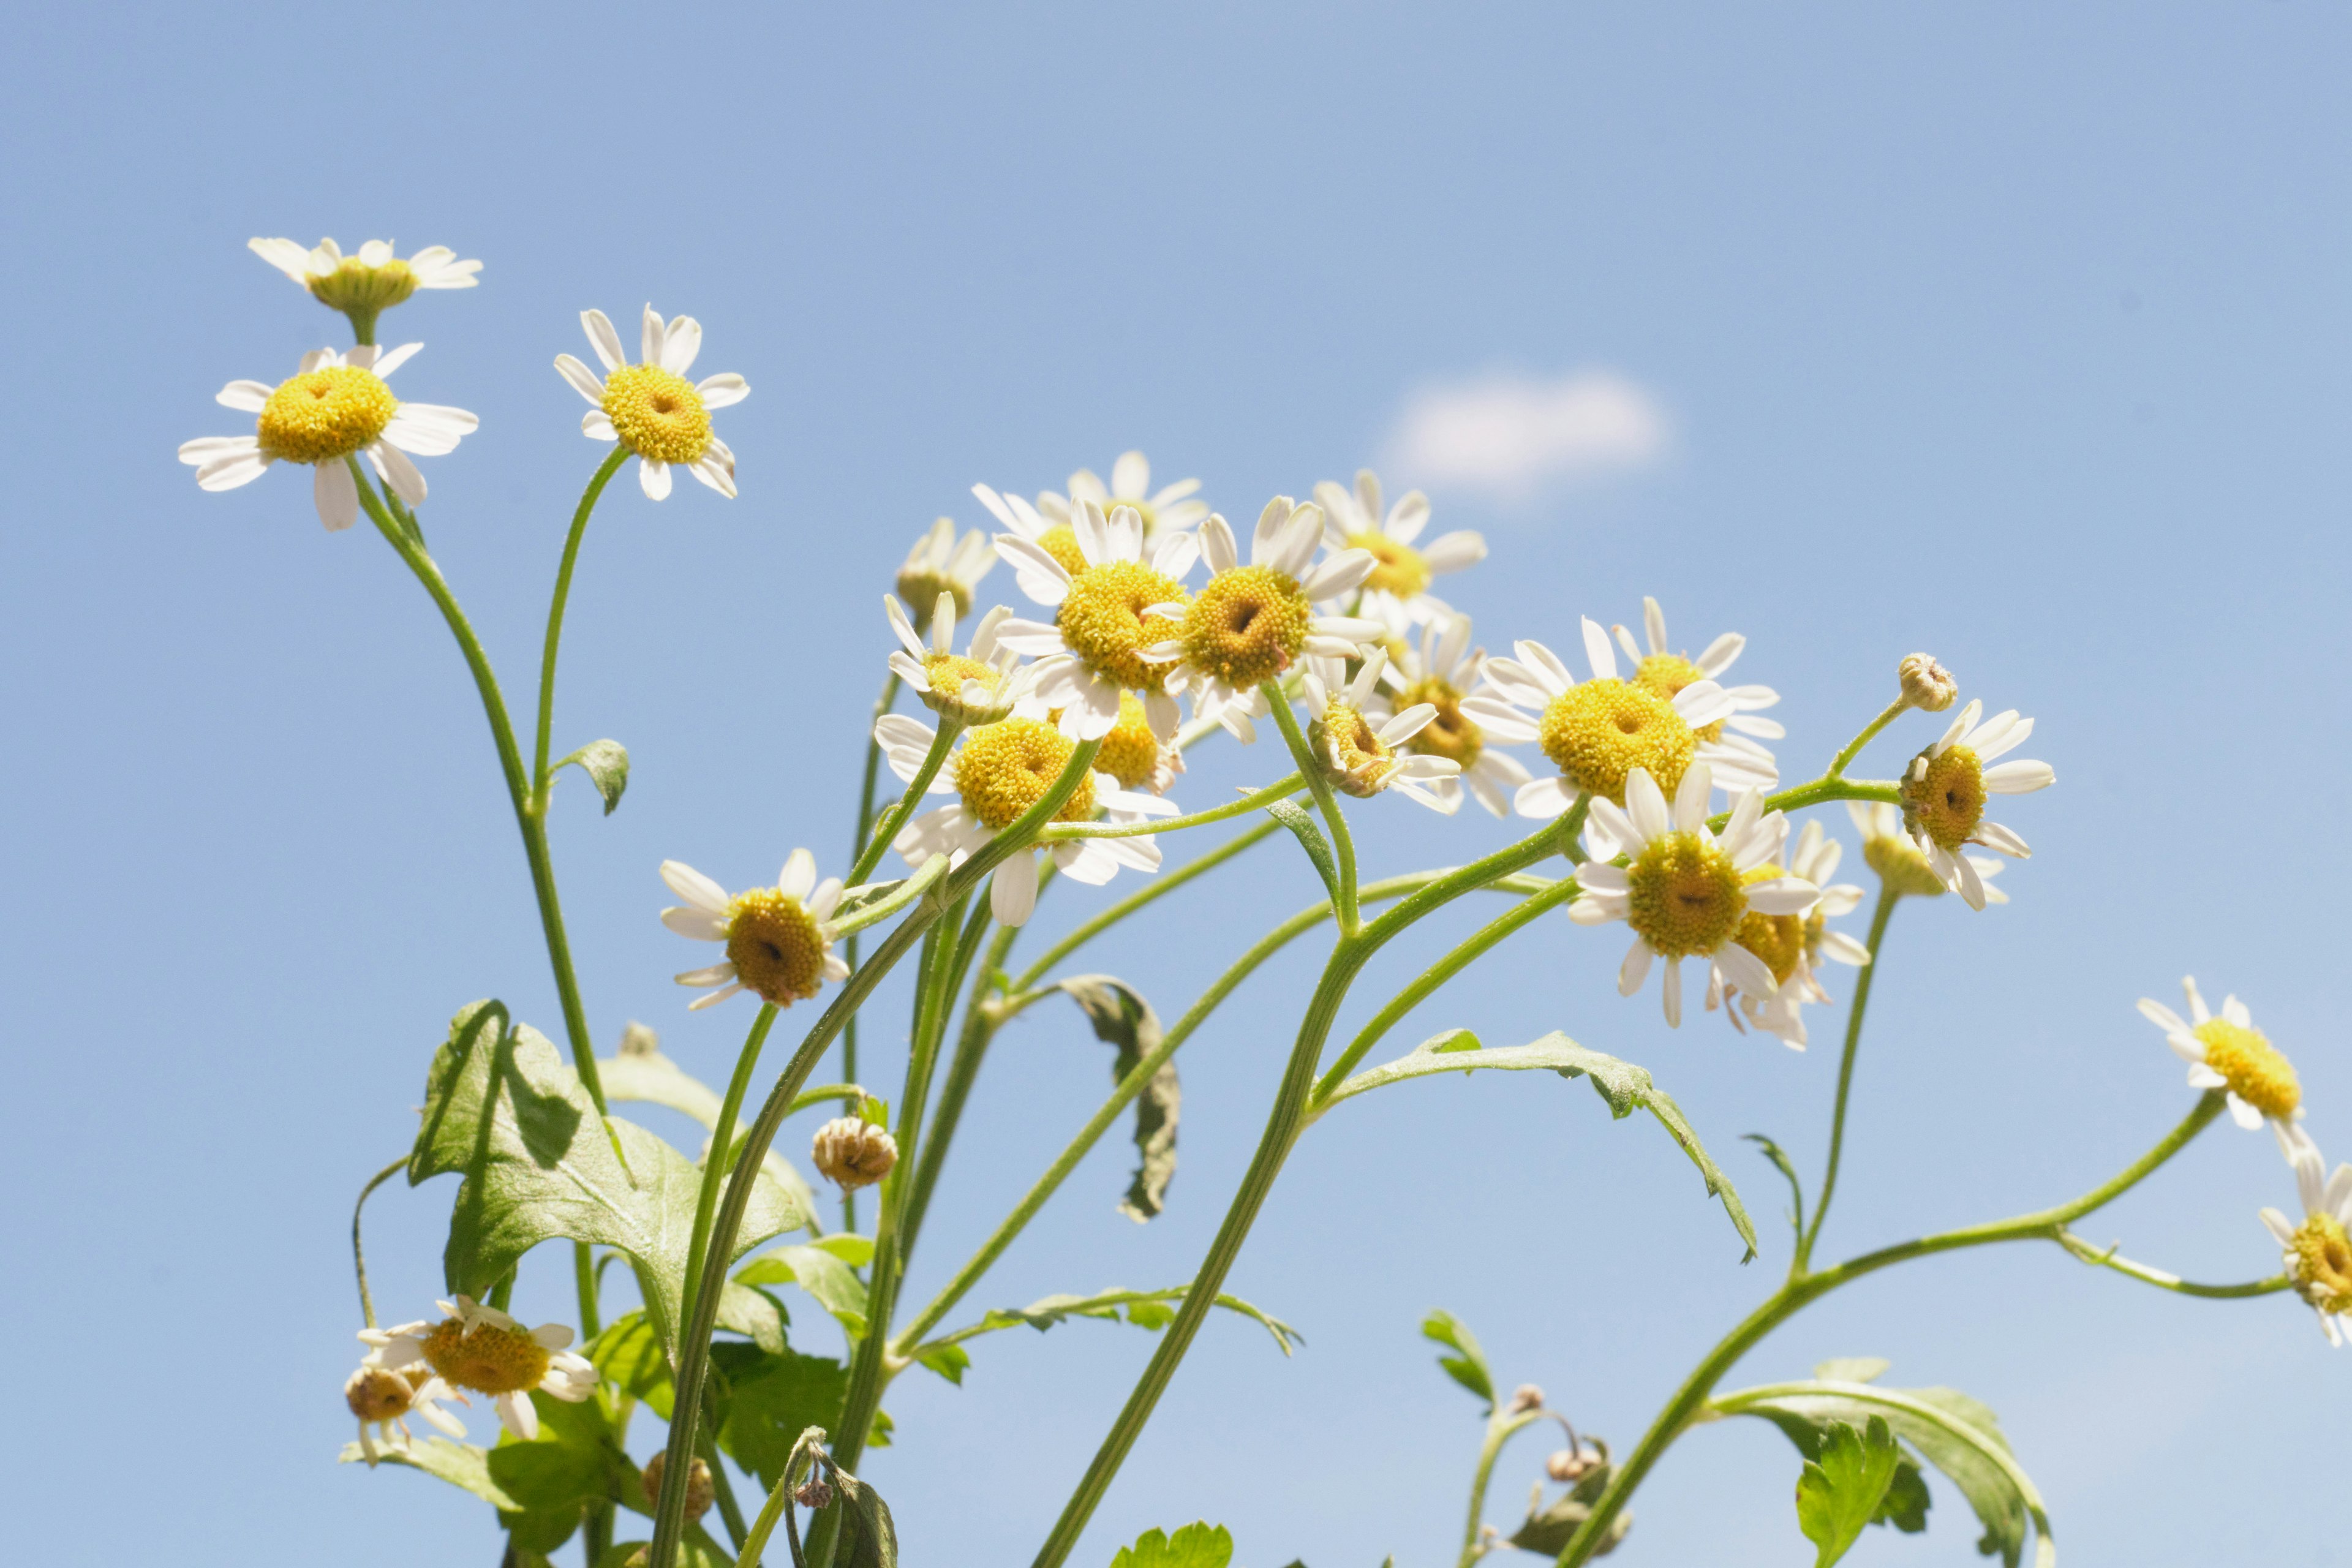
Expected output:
{"points": [[1197, 1545], [1296, 818], [460, 1464], [1839, 1491], [1123, 1019], [1469, 1367], [640, 1073], [820, 1270]]}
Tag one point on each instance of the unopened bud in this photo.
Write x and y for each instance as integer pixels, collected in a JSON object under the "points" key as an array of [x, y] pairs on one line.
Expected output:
{"points": [[699, 1489], [1927, 685], [1526, 1397], [375, 1394], [639, 1040], [813, 1493], [853, 1153], [1570, 1465]]}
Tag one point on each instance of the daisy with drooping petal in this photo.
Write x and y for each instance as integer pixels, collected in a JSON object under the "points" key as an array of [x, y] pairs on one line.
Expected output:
{"points": [[997, 774], [383, 1400], [779, 947], [480, 1348], [2229, 1053], [1397, 593], [382, 278], [1361, 759], [1114, 606], [1598, 732], [650, 408], [1251, 622], [336, 406], [1668, 673], [1794, 946], [1889, 849], [942, 563], [1441, 673], [1687, 894], [980, 687], [1944, 792], [1172, 507], [2319, 1250]]}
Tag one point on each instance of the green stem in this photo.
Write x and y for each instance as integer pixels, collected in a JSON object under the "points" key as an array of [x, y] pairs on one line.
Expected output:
{"points": [[1895, 711], [882, 705], [1320, 787], [1153, 887], [583, 1278], [1887, 895], [963, 1071], [716, 1164], [359, 1256], [1501, 1428], [540, 782], [1257, 800], [895, 818], [2105, 1258], [755, 1542], [722, 1489]]}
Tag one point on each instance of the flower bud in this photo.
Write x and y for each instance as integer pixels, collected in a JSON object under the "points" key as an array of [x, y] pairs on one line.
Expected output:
{"points": [[813, 1493], [1526, 1397], [1570, 1465], [700, 1489], [375, 1394], [1927, 685], [853, 1153]]}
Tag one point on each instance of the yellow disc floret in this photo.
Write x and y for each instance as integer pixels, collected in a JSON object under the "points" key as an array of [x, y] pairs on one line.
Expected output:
{"points": [[1130, 752], [354, 285], [775, 946], [1403, 570], [1004, 769], [1685, 896], [1900, 866], [1598, 732], [947, 672], [1449, 734], [1667, 674], [1778, 939], [1359, 761], [325, 414], [657, 414], [1946, 800], [1102, 621], [1061, 542], [2320, 1258], [489, 1360], [2255, 1071], [1248, 625]]}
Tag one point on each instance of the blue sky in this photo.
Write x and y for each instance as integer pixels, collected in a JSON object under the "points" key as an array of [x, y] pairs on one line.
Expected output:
{"points": [[2012, 332]]}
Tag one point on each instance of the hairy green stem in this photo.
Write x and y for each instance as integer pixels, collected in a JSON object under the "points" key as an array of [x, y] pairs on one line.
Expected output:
{"points": [[541, 782], [583, 1281], [1502, 1425], [1257, 800], [2105, 1258], [882, 705], [715, 1163], [897, 816], [1887, 895], [963, 1071], [1895, 711], [359, 1256], [1320, 787]]}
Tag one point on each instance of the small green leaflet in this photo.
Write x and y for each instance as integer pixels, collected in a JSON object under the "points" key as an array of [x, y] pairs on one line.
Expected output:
{"points": [[1839, 1493], [868, 1537], [1145, 1309], [820, 1270], [1780, 1163], [1123, 1019], [1197, 1545], [606, 763], [1468, 1368], [1294, 816]]}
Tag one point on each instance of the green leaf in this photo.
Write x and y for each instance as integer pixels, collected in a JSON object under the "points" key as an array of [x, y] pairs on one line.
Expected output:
{"points": [[503, 1112], [769, 1400], [459, 1464], [852, 1249], [755, 1314], [1623, 1086], [696, 1551], [1774, 1152], [1453, 1040], [606, 763], [1123, 1019], [1197, 1545], [1547, 1531], [640, 1073], [949, 1361], [1469, 1367], [1852, 1369], [821, 1273], [1294, 816], [868, 1539], [1839, 1493], [628, 1353], [1145, 1309]]}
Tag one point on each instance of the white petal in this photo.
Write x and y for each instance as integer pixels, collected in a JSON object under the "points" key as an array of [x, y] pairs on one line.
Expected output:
{"points": [[798, 876], [694, 887], [653, 478], [1543, 799], [1782, 896], [700, 925], [1012, 890], [2244, 1115], [1645, 806], [680, 343], [1702, 703], [1454, 552], [1634, 969], [604, 338], [1174, 554], [1745, 970], [597, 426], [1337, 575], [1597, 650], [1691, 797], [398, 471], [245, 396], [722, 391], [335, 493], [584, 382], [2020, 777], [517, 1415], [1673, 988], [234, 468], [1217, 545], [1130, 477]]}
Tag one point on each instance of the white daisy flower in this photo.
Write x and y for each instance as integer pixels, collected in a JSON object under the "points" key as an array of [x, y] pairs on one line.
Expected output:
{"points": [[336, 406], [1397, 593], [1059, 540], [1598, 732], [370, 281], [383, 1400], [1442, 672], [1687, 894], [985, 685], [1944, 792], [1251, 622], [1362, 759], [1666, 673], [2318, 1251], [480, 1348], [942, 563], [2229, 1053], [1112, 609], [1172, 507], [779, 945], [1794, 946], [1887, 848], [998, 772], [650, 408]]}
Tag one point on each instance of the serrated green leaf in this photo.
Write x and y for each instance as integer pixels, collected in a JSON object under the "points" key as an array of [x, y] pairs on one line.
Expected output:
{"points": [[1197, 1545], [754, 1314], [1780, 1161], [1125, 1021], [628, 1353], [819, 1271], [949, 1362], [1294, 816], [504, 1113], [639, 1072], [570, 1460], [769, 1400], [852, 1249], [1467, 1368], [1145, 1309], [1839, 1493], [459, 1464], [1624, 1086], [606, 763]]}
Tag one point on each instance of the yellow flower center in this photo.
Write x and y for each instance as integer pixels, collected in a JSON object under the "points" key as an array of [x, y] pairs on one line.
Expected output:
{"points": [[1598, 732], [2256, 1070], [375, 1394], [1948, 801], [1403, 570], [1246, 626], [658, 415], [2323, 1264], [326, 414], [1778, 939], [775, 946], [1667, 674], [1684, 895], [355, 286], [948, 672], [489, 1359], [1901, 867], [1130, 753], [1359, 759], [1061, 542], [1449, 734], [1004, 769], [921, 589], [1102, 620]]}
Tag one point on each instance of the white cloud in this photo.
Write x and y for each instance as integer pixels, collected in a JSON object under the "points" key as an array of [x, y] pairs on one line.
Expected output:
{"points": [[1514, 436]]}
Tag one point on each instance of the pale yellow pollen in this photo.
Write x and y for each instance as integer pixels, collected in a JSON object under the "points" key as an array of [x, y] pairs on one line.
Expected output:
{"points": [[1599, 732], [1402, 570], [1004, 769], [1361, 762], [2256, 1071], [1780, 941], [1102, 621], [1667, 674], [1130, 752], [1948, 801], [657, 414], [322, 415], [1448, 734], [1061, 542], [947, 672], [489, 1360], [1248, 625], [1684, 896], [775, 946], [2322, 1264]]}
